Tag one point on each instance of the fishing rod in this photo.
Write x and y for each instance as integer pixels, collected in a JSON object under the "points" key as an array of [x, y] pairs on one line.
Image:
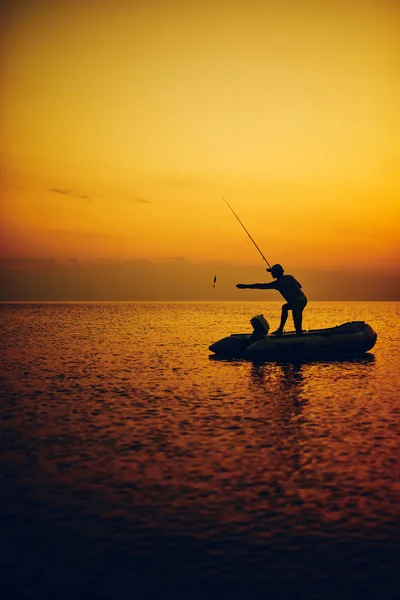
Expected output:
{"points": [[246, 232]]}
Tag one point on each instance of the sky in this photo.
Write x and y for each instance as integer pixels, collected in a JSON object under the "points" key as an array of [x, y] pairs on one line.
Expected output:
{"points": [[124, 124]]}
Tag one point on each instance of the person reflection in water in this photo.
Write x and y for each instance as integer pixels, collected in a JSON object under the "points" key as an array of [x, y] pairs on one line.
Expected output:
{"points": [[290, 289]]}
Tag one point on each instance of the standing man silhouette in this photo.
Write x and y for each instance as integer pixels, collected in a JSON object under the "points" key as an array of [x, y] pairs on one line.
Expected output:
{"points": [[290, 289]]}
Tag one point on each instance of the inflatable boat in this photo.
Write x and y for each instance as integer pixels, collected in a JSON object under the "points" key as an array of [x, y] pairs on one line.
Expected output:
{"points": [[347, 340]]}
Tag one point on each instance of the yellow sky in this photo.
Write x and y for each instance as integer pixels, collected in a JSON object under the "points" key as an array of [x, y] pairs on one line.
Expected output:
{"points": [[124, 123]]}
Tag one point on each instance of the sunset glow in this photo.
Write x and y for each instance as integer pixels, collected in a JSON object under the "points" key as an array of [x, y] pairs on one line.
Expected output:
{"points": [[123, 125]]}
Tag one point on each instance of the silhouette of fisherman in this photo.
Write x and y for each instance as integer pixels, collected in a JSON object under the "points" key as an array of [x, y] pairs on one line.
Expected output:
{"points": [[290, 289]]}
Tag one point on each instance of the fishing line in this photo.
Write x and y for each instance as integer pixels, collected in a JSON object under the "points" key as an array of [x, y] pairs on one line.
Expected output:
{"points": [[247, 232]]}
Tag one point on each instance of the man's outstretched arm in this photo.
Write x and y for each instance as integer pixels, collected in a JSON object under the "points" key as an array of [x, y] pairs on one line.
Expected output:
{"points": [[257, 286]]}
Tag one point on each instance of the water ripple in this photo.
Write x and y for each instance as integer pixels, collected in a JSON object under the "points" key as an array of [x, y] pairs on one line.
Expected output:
{"points": [[127, 452]]}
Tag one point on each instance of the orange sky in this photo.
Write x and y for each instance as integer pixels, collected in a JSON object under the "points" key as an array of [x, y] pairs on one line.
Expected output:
{"points": [[124, 123]]}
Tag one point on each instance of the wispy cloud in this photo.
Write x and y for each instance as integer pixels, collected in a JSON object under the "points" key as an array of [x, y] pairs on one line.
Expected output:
{"points": [[71, 192], [142, 201]]}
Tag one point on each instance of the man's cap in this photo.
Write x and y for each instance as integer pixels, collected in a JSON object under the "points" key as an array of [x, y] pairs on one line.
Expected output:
{"points": [[275, 269]]}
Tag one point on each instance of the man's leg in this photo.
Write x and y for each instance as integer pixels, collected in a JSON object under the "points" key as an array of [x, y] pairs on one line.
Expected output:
{"points": [[298, 319], [284, 316]]}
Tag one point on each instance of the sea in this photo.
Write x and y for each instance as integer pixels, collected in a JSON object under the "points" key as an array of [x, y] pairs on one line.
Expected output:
{"points": [[134, 464]]}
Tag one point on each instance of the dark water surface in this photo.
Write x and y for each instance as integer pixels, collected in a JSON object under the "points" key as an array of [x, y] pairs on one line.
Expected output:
{"points": [[133, 464]]}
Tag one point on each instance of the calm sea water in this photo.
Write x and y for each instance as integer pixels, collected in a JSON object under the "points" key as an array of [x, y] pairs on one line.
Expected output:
{"points": [[134, 463]]}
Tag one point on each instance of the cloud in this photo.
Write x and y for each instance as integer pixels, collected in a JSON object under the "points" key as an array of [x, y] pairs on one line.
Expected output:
{"points": [[180, 259], [71, 192], [47, 279], [26, 264]]}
